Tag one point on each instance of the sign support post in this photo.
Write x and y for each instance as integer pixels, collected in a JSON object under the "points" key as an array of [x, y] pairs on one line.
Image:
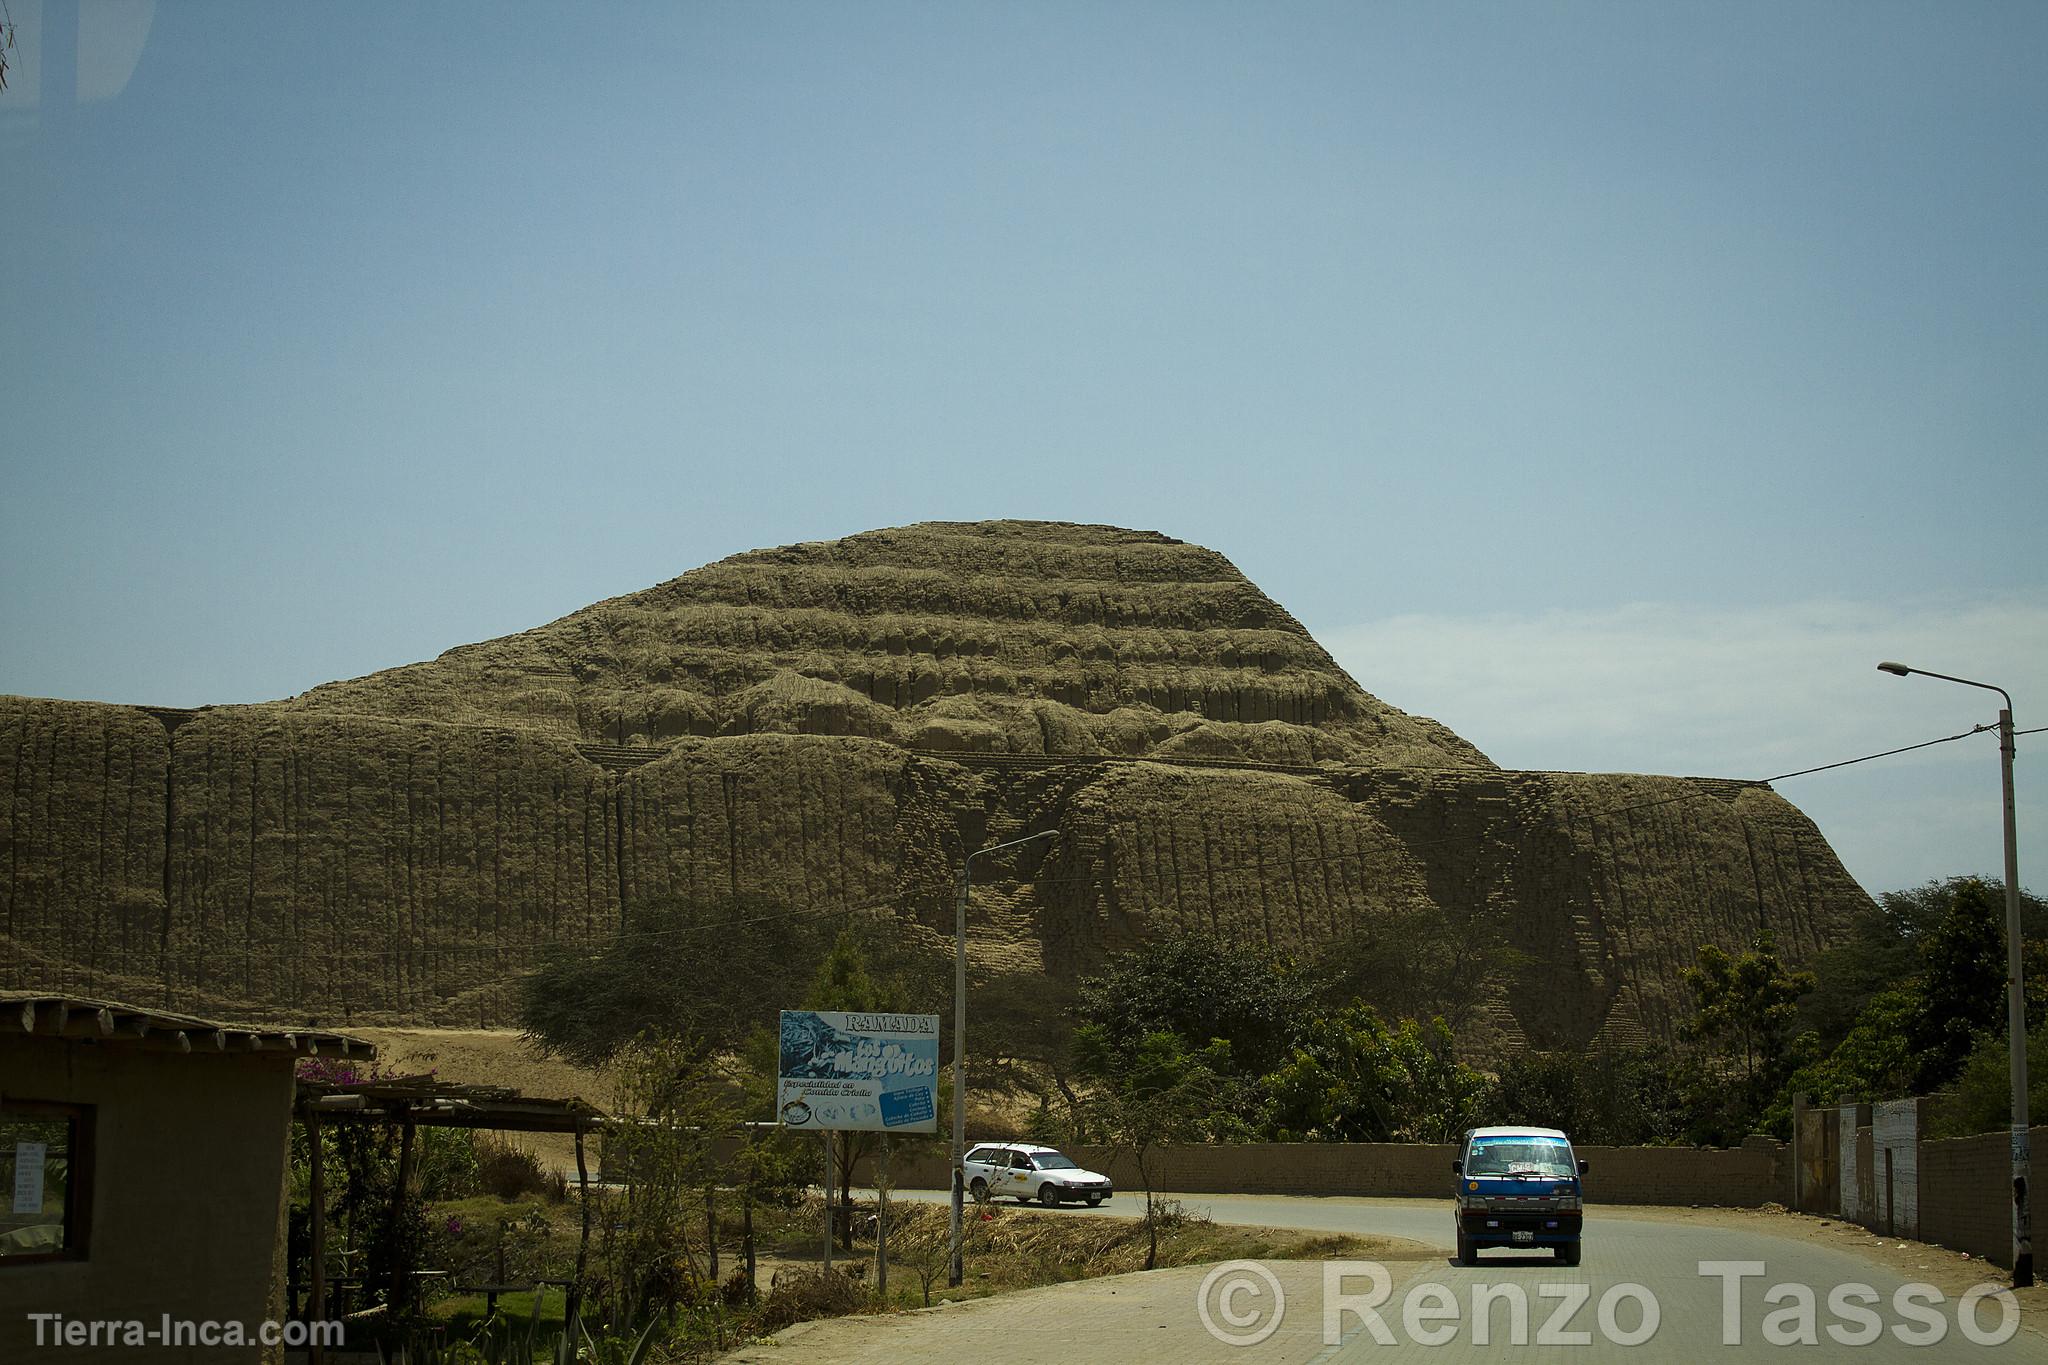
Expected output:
{"points": [[864, 1072], [882, 1222]]}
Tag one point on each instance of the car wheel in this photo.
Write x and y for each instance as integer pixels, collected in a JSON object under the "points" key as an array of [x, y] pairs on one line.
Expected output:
{"points": [[1049, 1195], [1467, 1254], [978, 1188], [1093, 1200], [1568, 1253]]}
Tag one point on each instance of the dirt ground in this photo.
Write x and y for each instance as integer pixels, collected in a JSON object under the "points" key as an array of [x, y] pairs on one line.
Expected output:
{"points": [[1020, 1248], [493, 1057]]}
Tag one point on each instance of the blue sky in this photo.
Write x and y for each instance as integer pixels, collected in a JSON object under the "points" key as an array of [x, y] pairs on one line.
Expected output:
{"points": [[1615, 382]]}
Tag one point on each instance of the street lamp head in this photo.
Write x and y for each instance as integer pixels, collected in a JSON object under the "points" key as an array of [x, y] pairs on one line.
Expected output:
{"points": [[1898, 669]]}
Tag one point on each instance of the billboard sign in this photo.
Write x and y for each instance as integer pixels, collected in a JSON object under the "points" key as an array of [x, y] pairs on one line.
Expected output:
{"points": [[871, 1072]]}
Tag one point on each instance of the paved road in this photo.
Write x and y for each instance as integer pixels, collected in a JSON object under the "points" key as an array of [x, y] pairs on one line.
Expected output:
{"points": [[1635, 1260]]}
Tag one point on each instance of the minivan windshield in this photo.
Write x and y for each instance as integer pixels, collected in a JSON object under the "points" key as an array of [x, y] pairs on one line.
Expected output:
{"points": [[1519, 1155]]}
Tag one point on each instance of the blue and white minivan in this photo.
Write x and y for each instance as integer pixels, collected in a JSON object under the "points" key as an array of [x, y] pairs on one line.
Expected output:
{"points": [[1519, 1187]]}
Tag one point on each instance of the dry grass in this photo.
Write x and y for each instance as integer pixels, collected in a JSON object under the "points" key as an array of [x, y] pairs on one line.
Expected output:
{"points": [[802, 1295], [1007, 1249]]}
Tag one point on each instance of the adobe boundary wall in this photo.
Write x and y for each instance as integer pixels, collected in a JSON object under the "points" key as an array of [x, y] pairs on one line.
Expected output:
{"points": [[1965, 1195], [1757, 1173], [1870, 1164]]}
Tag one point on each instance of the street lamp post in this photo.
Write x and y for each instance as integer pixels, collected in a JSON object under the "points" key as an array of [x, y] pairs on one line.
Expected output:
{"points": [[958, 1271], [2015, 989]]}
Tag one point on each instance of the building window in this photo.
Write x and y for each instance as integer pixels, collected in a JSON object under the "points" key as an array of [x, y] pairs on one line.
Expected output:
{"points": [[46, 1181]]}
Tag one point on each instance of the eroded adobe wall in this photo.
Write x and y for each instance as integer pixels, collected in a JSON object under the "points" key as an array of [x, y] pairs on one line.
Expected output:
{"points": [[1006, 637], [81, 842], [343, 865], [1607, 884], [371, 868]]}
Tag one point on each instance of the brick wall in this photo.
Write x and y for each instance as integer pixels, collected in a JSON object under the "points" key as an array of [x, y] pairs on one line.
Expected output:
{"points": [[1966, 1193], [1955, 1193], [1756, 1173], [1852, 1126], [1747, 1176]]}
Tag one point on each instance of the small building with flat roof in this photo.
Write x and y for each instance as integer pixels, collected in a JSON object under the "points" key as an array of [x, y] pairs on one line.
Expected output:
{"points": [[145, 1158]]}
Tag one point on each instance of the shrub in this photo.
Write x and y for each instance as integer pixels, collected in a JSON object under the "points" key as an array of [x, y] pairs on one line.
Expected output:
{"points": [[510, 1171], [801, 1295]]}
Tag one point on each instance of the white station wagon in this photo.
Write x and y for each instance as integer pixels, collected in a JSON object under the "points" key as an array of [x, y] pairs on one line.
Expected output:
{"points": [[1024, 1171]]}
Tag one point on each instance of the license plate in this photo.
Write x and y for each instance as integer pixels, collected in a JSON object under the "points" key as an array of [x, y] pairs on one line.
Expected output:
{"points": [[1523, 1239]]}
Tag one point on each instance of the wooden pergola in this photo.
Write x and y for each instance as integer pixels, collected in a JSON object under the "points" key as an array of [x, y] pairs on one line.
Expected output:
{"points": [[410, 1102]]}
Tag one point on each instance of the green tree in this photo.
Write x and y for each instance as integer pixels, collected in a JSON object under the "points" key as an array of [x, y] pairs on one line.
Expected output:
{"points": [[1744, 1010], [1962, 983], [1154, 1090], [1944, 945], [847, 980], [1200, 988], [678, 1098], [1874, 1059], [770, 1165], [844, 980], [1352, 1078], [1609, 1096], [709, 972], [1887, 944], [1982, 1102]]}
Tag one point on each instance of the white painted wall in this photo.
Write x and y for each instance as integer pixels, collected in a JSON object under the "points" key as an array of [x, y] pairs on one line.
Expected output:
{"points": [[1895, 1130]]}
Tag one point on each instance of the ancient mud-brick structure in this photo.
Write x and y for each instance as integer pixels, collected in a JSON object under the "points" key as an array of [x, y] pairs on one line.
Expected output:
{"points": [[836, 723]]}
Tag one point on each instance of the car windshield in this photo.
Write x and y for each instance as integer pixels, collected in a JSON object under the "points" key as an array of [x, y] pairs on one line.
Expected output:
{"points": [[1052, 1161], [1539, 1156]]}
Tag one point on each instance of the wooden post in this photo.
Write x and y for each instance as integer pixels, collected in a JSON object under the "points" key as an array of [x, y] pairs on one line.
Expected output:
{"points": [[711, 1228], [826, 1133], [572, 1310], [747, 1227], [316, 1309], [882, 1222], [395, 1299]]}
